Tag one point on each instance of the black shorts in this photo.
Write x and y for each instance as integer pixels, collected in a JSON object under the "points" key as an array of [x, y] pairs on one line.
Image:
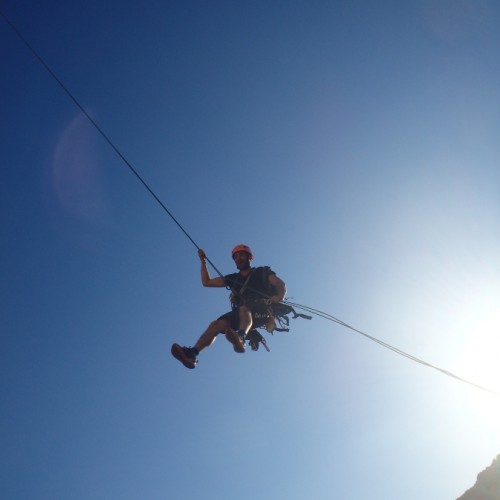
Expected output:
{"points": [[260, 311]]}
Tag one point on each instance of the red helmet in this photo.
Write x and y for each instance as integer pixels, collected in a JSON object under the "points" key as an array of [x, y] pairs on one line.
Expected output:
{"points": [[242, 248]]}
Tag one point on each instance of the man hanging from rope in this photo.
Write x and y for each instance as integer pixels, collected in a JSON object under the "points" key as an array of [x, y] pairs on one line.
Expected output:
{"points": [[256, 292]]}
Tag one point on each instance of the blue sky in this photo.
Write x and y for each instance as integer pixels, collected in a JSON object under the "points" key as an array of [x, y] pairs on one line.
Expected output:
{"points": [[353, 145]]}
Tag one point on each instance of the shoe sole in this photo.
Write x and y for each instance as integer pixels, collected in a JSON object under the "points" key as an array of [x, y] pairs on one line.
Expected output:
{"points": [[234, 338], [178, 354]]}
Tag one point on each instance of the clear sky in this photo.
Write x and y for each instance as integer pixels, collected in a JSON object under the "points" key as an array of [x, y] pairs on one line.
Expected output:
{"points": [[354, 145]]}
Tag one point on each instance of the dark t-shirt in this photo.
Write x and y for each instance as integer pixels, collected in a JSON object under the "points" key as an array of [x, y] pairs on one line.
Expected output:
{"points": [[257, 287]]}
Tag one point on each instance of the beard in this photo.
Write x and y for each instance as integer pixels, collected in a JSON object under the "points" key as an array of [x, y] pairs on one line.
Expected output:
{"points": [[242, 266]]}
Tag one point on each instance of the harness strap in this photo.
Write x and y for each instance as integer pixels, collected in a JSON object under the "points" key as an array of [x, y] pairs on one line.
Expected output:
{"points": [[245, 284], [238, 295]]}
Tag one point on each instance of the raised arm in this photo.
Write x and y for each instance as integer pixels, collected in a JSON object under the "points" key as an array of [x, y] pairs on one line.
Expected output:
{"points": [[206, 280]]}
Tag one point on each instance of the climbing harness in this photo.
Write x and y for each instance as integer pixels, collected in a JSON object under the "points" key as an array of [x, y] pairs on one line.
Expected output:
{"points": [[236, 296], [275, 314]]}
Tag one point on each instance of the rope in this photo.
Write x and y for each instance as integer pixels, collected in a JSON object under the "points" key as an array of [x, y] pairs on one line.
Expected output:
{"points": [[390, 347], [411, 357], [102, 133], [317, 312]]}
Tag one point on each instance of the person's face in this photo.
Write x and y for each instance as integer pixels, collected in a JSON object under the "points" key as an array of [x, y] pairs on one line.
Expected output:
{"points": [[242, 260]]}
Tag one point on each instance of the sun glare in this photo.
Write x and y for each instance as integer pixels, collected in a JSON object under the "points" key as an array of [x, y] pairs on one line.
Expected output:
{"points": [[479, 364]]}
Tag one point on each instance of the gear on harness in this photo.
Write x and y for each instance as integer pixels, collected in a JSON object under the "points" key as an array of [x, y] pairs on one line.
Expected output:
{"points": [[280, 313], [254, 292], [277, 315], [255, 338]]}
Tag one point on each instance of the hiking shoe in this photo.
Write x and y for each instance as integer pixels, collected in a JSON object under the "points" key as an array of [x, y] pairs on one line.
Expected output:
{"points": [[185, 355], [236, 339]]}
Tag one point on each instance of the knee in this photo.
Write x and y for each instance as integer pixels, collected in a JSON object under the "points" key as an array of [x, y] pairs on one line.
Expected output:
{"points": [[218, 326], [245, 314], [244, 311]]}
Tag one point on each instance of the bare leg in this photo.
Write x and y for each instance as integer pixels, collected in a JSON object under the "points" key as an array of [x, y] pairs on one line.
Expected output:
{"points": [[208, 337], [245, 325], [188, 355], [245, 319]]}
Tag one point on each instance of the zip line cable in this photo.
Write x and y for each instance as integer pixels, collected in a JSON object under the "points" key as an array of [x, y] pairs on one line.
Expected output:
{"points": [[316, 312]]}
